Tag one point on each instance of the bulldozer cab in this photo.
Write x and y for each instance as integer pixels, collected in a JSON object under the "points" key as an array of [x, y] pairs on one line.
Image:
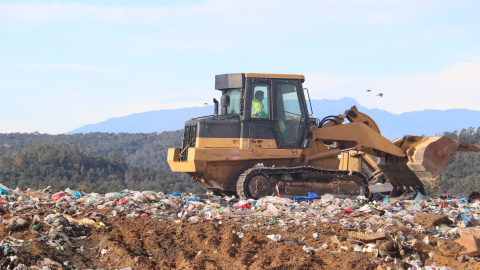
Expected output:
{"points": [[271, 107]]}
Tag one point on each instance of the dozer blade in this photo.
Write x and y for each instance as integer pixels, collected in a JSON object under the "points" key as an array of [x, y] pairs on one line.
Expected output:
{"points": [[426, 158]]}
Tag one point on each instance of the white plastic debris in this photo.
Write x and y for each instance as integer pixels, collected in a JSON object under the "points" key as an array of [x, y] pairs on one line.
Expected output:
{"points": [[274, 237]]}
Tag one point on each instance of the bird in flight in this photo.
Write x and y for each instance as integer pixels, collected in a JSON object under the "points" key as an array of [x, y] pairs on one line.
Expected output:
{"points": [[369, 90], [380, 94]]}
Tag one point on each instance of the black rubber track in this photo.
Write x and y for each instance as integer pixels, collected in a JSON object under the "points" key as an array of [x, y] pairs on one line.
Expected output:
{"points": [[277, 172]]}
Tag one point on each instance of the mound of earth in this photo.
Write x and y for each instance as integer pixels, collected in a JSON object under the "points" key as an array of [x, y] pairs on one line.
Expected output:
{"points": [[152, 231]]}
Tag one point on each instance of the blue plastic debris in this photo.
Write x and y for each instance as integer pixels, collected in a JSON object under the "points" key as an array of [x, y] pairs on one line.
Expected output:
{"points": [[175, 194], [463, 220], [77, 194], [4, 192], [194, 199], [311, 196]]}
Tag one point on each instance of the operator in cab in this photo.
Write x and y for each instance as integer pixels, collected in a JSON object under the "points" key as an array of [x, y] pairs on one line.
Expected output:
{"points": [[257, 106]]}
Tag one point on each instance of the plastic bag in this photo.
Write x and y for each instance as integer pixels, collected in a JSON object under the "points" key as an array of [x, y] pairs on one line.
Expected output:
{"points": [[274, 237], [244, 206], [194, 199], [311, 196], [77, 194], [58, 195], [463, 220], [122, 201]]}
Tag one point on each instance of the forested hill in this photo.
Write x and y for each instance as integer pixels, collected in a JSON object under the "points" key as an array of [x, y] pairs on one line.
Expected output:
{"points": [[40, 165], [138, 149], [462, 175], [139, 156], [148, 152]]}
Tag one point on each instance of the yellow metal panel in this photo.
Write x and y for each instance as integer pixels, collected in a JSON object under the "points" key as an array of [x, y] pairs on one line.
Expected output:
{"points": [[197, 156], [363, 137], [344, 161], [235, 143], [243, 154], [200, 158], [275, 76], [244, 142], [217, 142], [176, 165], [274, 153], [351, 161], [263, 144]]}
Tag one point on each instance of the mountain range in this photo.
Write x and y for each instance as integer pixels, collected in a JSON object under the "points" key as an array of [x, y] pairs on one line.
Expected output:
{"points": [[426, 122]]}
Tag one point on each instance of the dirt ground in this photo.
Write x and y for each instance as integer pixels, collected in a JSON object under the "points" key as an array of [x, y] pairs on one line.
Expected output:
{"points": [[144, 242]]}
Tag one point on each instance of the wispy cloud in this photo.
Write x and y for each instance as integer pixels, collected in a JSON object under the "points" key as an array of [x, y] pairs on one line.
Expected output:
{"points": [[79, 67], [219, 10], [59, 11], [185, 27]]}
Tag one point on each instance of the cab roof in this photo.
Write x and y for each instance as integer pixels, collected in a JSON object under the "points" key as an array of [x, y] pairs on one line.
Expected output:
{"points": [[275, 76], [236, 80]]}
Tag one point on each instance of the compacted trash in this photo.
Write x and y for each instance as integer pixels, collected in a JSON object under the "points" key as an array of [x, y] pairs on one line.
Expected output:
{"points": [[393, 232]]}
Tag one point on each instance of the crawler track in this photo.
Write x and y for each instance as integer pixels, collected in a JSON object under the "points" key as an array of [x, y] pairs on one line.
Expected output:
{"points": [[298, 181]]}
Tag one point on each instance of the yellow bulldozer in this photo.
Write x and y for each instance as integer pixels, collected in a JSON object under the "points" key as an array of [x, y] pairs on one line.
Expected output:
{"points": [[265, 142]]}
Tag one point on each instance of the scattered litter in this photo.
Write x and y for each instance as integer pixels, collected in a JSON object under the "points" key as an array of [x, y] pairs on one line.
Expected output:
{"points": [[463, 220], [193, 199], [58, 195], [274, 237], [420, 224], [309, 249], [311, 196]]}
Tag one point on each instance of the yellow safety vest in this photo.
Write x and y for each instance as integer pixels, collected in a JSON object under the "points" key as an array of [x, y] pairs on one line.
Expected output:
{"points": [[283, 128], [257, 109]]}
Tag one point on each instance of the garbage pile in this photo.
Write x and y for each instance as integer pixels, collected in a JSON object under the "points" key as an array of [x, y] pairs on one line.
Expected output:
{"points": [[70, 229]]}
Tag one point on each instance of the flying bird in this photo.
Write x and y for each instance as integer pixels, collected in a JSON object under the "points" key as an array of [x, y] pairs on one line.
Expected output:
{"points": [[380, 94], [369, 90], [205, 103]]}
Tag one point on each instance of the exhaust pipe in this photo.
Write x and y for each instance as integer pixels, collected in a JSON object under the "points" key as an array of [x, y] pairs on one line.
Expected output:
{"points": [[215, 111]]}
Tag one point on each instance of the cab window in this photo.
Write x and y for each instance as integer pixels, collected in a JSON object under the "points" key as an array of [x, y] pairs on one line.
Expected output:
{"points": [[234, 107], [289, 113], [260, 106]]}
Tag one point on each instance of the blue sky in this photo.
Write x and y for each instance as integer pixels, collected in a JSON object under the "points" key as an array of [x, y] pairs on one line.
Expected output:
{"points": [[66, 64]]}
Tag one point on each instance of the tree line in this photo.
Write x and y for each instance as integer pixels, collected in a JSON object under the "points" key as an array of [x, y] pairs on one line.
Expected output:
{"points": [[105, 162], [146, 150], [95, 163], [462, 174]]}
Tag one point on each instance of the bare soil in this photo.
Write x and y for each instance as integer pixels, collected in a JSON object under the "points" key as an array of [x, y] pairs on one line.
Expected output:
{"points": [[152, 243]]}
